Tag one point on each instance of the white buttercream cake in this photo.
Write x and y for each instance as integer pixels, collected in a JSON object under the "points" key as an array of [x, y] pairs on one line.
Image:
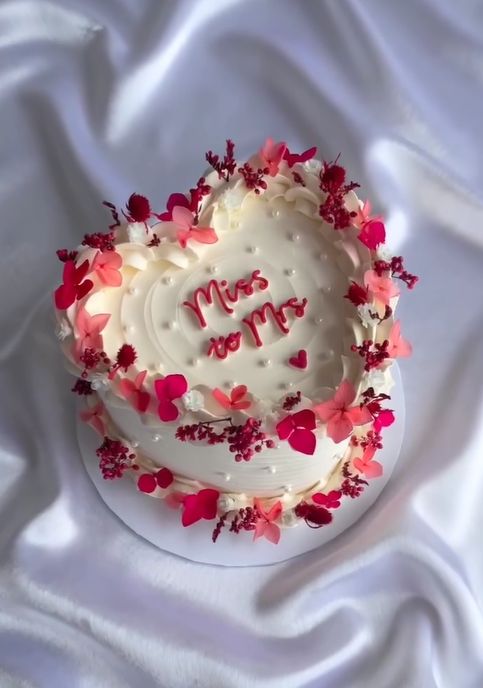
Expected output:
{"points": [[234, 351]]}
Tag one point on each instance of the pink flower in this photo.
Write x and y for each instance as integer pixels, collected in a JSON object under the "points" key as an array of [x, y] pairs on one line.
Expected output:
{"points": [[272, 154], [292, 158], [372, 234], [235, 401], [331, 500], [89, 328], [134, 392], [106, 265], [384, 419], [200, 505], [167, 389], [297, 429], [265, 526], [366, 466], [176, 200], [93, 417], [383, 288], [363, 215], [184, 220], [398, 346], [339, 415], [74, 287]]}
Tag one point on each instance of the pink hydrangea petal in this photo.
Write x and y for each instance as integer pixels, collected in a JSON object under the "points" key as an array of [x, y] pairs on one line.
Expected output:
{"points": [[371, 469], [304, 419], [326, 410], [160, 388], [237, 393], [372, 234], [147, 483], [339, 427], [272, 533], [164, 478], [260, 526], [275, 511], [241, 405], [384, 420], [208, 500], [345, 394], [303, 440], [96, 323], [182, 217], [221, 398], [359, 415], [126, 387], [83, 289], [141, 400], [204, 235], [64, 296]]}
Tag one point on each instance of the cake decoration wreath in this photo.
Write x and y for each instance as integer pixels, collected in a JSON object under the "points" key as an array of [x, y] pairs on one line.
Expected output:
{"points": [[234, 351]]}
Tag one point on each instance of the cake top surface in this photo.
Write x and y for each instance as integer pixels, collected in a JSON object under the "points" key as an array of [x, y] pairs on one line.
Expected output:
{"points": [[267, 280]]}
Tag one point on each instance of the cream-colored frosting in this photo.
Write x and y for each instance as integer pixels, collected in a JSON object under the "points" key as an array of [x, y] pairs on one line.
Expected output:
{"points": [[281, 234]]}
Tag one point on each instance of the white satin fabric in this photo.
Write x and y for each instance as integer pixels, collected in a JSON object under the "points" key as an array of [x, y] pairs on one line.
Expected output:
{"points": [[102, 98]]}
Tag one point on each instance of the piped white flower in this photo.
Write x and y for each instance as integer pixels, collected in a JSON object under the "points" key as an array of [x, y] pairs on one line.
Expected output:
{"points": [[383, 253], [290, 519], [364, 312], [375, 379], [63, 330], [312, 166], [232, 198], [193, 400], [99, 381], [136, 232], [226, 503]]}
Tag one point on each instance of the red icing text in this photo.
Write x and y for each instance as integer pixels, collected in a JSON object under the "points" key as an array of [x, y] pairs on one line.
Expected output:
{"points": [[220, 291], [278, 315], [222, 346]]}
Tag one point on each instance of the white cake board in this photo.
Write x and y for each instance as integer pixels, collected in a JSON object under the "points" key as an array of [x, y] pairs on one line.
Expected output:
{"points": [[161, 525]]}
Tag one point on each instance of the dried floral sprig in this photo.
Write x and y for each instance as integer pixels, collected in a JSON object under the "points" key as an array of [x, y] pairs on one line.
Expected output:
{"points": [[397, 269], [114, 458], [374, 354], [226, 167], [254, 178], [291, 401], [333, 183], [103, 242]]}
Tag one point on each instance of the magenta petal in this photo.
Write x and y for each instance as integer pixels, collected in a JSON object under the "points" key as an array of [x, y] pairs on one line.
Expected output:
{"points": [[192, 511], [64, 296], [285, 427], [372, 234], [167, 411], [176, 386], [304, 419], [345, 394], [303, 440]]}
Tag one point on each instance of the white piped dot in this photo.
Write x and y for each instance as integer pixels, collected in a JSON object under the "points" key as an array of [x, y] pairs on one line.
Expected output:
{"points": [[252, 249], [327, 289], [287, 489], [317, 319], [234, 224], [212, 270], [290, 272], [132, 291], [229, 384], [283, 385], [265, 362], [275, 212], [134, 444], [323, 256], [271, 469], [294, 236], [193, 361], [156, 438], [227, 477], [167, 280]]}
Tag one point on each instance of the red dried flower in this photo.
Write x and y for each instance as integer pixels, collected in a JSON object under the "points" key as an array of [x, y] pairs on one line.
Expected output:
{"points": [[291, 401], [226, 167], [155, 241], [82, 387], [298, 179], [374, 354], [103, 242], [254, 179], [332, 182], [148, 482], [331, 500], [114, 457], [64, 255], [126, 356], [396, 268], [357, 294], [138, 208], [200, 505], [313, 515]]}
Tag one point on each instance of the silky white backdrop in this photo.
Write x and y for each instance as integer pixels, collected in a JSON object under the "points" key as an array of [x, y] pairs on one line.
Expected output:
{"points": [[99, 98]]}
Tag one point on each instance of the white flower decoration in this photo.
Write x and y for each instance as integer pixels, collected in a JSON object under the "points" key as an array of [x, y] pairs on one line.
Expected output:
{"points": [[193, 400], [375, 379], [232, 199], [99, 381], [365, 315], [63, 330], [136, 232], [226, 503], [383, 253], [290, 519], [312, 166]]}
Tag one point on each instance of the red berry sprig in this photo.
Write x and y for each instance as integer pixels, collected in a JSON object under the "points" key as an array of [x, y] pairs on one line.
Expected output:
{"points": [[226, 167], [254, 178], [374, 353]]}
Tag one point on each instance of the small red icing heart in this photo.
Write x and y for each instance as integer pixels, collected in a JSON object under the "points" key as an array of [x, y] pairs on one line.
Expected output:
{"points": [[300, 360]]}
